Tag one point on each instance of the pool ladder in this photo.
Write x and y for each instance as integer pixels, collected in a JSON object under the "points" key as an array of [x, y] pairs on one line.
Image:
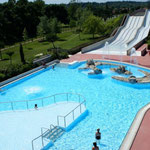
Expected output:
{"points": [[54, 133], [51, 134]]}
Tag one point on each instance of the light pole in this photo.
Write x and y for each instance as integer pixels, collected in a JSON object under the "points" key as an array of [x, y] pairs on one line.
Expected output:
{"points": [[106, 45], [133, 50], [120, 53]]}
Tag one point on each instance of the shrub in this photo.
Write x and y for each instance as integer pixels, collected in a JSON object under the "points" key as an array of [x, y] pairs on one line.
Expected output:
{"points": [[15, 69], [63, 55], [2, 77], [58, 53]]}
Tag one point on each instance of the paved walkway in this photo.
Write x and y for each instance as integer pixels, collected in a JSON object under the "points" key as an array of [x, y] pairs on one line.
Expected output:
{"points": [[140, 60], [142, 138]]}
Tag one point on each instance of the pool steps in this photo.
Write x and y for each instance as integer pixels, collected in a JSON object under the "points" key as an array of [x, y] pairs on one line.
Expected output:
{"points": [[54, 133]]}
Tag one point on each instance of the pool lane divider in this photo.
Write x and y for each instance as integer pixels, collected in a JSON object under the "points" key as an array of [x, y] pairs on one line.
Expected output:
{"points": [[69, 127]]}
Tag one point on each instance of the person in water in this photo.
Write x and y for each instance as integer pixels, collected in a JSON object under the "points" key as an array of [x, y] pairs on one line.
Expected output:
{"points": [[95, 147], [35, 106], [98, 136], [44, 64]]}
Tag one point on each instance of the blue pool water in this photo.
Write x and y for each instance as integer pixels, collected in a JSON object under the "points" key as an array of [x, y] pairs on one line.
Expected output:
{"points": [[112, 104]]}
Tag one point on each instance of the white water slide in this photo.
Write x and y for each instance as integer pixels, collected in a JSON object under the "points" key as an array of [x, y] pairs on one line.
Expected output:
{"points": [[134, 30]]}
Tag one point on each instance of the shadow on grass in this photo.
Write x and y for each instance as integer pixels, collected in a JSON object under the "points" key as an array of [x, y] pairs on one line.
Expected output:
{"points": [[61, 39], [29, 48], [4, 59], [95, 38], [45, 43]]}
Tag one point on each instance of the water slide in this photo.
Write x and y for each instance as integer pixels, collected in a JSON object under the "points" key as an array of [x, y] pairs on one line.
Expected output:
{"points": [[134, 30]]}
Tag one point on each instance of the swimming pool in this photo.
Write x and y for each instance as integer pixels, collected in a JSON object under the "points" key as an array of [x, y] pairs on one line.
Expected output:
{"points": [[112, 104]]}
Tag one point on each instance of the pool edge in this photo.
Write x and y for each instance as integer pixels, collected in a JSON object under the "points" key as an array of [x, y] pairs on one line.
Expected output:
{"points": [[134, 128]]}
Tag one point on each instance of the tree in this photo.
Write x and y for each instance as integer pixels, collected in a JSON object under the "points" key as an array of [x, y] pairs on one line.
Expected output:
{"points": [[49, 28], [57, 11], [148, 4], [93, 25], [25, 34], [54, 26], [71, 11], [52, 38], [72, 23], [22, 54], [12, 1], [79, 22], [1, 46], [10, 53], [112, 23], [54, 29], [43, 27], [81, 15]]}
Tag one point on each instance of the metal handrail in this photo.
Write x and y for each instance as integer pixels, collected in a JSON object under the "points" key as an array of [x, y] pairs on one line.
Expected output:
{"points": [[52, 126], [37, 138], [70, 113], [40, 99]]}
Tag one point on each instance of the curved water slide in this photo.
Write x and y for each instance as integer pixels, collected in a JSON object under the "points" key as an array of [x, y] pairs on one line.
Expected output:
{"points": [[134, 30]]}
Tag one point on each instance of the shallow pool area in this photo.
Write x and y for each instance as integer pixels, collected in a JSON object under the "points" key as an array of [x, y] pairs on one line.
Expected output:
{"points": [[112, 104]]}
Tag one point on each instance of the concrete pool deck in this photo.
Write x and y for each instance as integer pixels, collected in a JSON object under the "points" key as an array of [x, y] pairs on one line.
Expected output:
{"points": [[142, 139], [140, 60], [138, 136], [19, 128]]}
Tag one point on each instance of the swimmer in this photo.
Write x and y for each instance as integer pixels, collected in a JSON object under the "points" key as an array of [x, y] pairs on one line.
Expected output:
{"points": [[98, 136], [44, 64], [95, 147], [35, 106]]}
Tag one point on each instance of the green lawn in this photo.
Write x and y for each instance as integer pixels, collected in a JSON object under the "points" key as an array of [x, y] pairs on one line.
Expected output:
{"points": [[67, 40]]}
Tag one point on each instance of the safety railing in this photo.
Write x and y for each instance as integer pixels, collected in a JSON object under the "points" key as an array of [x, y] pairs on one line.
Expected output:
{"points": [[41, 102], [40, 137], [80, 107], [65, 124]]}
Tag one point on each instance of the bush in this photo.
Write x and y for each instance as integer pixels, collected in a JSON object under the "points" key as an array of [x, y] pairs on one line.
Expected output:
{"points": [[59, 54], [15, 69], [112, 23], [2, 77], [63, 55]]}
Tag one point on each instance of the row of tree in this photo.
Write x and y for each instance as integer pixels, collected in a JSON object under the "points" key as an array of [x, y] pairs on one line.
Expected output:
{"points": [[16, 17]]}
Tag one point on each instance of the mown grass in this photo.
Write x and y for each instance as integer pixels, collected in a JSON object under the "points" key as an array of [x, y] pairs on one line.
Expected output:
{"points": [[66, 40]]}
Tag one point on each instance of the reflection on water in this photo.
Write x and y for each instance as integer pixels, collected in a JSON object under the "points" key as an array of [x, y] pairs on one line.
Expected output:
{"points": [[32, 90]]}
